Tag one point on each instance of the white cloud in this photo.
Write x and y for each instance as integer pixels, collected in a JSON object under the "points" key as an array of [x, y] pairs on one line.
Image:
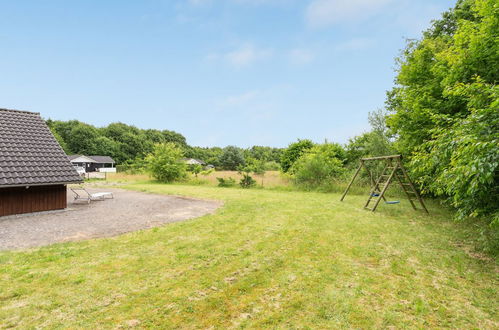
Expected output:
{"points": [[356, 44], [246, 55], [301, 56], [322, 13]]}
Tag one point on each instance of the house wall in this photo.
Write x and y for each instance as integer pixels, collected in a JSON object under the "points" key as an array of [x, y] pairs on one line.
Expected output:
{"points": [[18, 200], [107, 169], [92, 167]]}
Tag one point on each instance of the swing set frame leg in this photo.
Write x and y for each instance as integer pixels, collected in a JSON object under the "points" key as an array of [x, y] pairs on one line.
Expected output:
{"points": [[351, 181]]}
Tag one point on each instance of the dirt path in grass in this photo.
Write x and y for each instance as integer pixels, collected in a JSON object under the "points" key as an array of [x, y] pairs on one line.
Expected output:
{"points": [[128, 211]]}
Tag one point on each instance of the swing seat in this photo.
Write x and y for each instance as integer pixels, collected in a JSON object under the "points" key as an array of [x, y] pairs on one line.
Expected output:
{"points": [[375, 195], [392, 202]]}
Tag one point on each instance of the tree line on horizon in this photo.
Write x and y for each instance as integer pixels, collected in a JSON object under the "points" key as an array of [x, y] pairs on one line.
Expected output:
{"points": [[127, 144]]}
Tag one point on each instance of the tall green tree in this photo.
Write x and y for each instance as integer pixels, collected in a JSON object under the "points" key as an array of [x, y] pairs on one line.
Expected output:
{"points": [[444, 107], [293, 152], [82, 139], [231, 158]]}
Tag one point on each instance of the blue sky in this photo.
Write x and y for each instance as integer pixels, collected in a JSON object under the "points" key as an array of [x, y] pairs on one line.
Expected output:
{"points": [[220, 72]]}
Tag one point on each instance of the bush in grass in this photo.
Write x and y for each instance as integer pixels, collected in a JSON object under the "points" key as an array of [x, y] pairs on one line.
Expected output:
{"points": [[293, 153], [228, 182], [195, 169], [164, 163], [136, 166], [318, 166], [247, 181], [254, 166], [207, 171]]}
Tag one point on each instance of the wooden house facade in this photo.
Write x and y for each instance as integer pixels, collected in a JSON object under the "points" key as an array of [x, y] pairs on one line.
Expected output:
{"points": [[34, 170]]}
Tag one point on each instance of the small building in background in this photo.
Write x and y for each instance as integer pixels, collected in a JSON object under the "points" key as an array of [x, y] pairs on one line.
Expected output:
{"points": [[193, 161], [93, 163], [34, 170]]}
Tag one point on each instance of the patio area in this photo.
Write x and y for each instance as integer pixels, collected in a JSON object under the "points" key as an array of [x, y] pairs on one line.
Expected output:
{"points": [[128, 211]]}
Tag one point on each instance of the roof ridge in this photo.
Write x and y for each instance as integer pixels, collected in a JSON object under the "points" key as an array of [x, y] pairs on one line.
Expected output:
{"points": [[24, 111]]}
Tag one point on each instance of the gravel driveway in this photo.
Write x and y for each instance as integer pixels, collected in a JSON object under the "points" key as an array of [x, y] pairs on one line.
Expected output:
{"points": [[128, 211]]}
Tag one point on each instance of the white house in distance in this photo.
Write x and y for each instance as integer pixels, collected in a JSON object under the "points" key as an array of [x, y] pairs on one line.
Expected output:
{"points": [[193, 161], [93, 163]]}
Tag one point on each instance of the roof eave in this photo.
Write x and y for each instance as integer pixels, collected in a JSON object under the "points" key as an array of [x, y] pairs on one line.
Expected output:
{"points": [[38, 184]]}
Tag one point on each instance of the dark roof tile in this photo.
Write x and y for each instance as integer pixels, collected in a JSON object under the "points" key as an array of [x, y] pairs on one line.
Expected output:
{"points": [[29, 153]]}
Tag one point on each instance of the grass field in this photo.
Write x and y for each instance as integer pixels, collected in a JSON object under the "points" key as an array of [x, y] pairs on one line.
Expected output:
{"points": [[268, 258], [270, 179]]}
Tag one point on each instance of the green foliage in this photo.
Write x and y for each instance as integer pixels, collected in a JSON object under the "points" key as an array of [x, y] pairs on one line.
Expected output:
{"points": [[231, 158], [195, 169], [165, 162], [254, 165], [135, 166], [105, 146], [209, 155], [124, 143], [214, 155], [272, 166], [371, 144], [293, 152], [227, 182], [319, 166], [207, 171], [84, 139], [266, 154], [444, 107], [247, 181], [462, 161]]}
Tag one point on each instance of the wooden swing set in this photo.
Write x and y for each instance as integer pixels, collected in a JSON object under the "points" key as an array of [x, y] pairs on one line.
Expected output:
{"points": [[393, 170]]}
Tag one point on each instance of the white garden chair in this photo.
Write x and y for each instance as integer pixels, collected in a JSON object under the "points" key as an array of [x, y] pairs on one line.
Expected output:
{"points": [[82, 194]]}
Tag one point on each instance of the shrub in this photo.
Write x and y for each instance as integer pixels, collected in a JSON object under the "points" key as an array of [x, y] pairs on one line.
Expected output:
{"points": [[165, 164], [318, 166], [229, 182], [136, 166], [253, 165], [461, 162], [247, 181], [293, 152], [207, 171], [195, 169]]}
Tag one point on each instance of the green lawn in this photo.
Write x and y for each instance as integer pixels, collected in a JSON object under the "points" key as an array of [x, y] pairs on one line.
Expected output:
{"points": [[266, 259]]}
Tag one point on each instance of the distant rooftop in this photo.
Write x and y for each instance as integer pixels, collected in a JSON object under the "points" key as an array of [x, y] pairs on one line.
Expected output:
{"points": [[96, 159]]}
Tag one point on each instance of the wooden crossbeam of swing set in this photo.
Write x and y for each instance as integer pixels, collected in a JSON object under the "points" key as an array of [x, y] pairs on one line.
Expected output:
{"points": [[393, 170]]}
